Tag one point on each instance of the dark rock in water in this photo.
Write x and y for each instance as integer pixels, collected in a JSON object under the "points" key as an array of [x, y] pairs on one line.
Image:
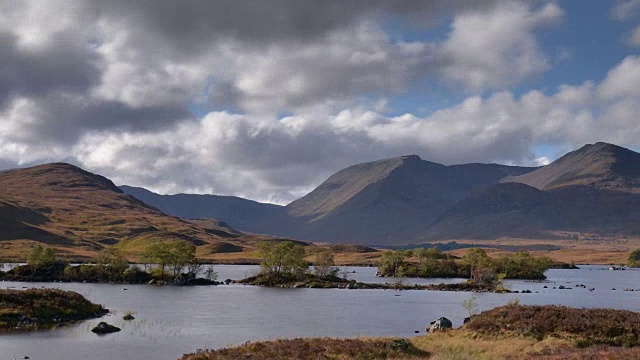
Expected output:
{"points": [[417, 332], [104, 328], [439, 325], [128, 317]]}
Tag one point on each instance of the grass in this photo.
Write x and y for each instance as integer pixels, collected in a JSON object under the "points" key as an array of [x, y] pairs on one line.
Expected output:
{"points": [[322, 348], [508, 332], [41, 308], [585, 326]]}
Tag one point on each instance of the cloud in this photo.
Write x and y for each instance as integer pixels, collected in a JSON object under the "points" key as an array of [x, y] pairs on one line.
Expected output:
{"points": [[280, 158], [284, 93], [634, 38], [497, 46], [625, 9]]}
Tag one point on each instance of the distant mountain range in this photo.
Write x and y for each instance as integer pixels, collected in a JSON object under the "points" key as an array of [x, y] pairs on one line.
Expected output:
{"points": [[593, 191], [382, 202]]}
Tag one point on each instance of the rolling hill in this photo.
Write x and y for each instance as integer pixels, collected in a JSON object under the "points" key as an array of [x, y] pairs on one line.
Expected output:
{"points": [[63, 205]]}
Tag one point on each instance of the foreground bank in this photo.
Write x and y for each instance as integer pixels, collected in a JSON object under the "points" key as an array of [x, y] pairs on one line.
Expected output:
{"points": [[506, 332]]}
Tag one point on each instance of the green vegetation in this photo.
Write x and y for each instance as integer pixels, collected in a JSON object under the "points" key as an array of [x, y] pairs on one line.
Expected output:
{"points": [[634, 259], [476, 266], [323, 348], [584, 326], [283, 265], [324, 264], [174, 256], [112, 267], [41, 257], [282, 261], [42, 308]]}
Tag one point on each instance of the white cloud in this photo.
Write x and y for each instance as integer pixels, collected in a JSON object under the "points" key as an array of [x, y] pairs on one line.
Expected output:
{"points": [[625, 9], [622, 80], [498, 47], [634, 39], [125, 114]]}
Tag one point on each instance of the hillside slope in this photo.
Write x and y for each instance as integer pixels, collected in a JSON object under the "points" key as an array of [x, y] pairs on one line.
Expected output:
{"points": [[601, 165], [64, 205]]}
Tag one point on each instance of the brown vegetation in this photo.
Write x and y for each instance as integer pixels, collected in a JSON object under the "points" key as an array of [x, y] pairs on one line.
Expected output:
{"points": [[324, 348], [585, 326], [41, 308]]}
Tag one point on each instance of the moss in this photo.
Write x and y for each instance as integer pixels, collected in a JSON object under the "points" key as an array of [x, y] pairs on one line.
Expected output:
{"points": [[42, 308]]}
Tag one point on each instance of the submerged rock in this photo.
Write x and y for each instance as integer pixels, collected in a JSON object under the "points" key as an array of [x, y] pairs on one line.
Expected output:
{"points": [[128, 317], [104, 328]]}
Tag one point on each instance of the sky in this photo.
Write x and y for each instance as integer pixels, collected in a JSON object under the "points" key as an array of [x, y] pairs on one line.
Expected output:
{"points": [[265, 99]]}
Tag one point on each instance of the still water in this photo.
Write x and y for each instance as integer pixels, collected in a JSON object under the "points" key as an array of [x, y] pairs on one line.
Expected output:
{"points": [[171, 321]]}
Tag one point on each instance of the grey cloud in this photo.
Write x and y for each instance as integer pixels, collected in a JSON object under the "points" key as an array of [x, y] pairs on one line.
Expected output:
{"points": [[62, 65]]}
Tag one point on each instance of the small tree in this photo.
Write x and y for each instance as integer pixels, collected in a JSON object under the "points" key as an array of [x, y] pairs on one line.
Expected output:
{"points": [[324, 264], [159, 254], [480, 267], [284, 260], [112, 258], [391, 263], [634, 258], [210, 274], [40, 256], [471, 305]]}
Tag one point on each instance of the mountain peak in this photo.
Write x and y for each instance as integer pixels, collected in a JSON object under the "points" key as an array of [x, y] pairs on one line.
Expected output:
{"points": [[601, 165], [411, 158], [59, 174]]}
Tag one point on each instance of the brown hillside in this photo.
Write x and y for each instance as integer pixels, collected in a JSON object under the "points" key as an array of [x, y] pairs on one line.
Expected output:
{"points": [[61, 204]]}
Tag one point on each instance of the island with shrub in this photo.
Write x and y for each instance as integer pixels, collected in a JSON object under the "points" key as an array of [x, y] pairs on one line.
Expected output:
{"points": [[34, 309]]}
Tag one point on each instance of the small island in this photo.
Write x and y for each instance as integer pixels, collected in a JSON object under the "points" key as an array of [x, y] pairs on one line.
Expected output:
{"points": [[33, 309], [283, 265], [167, 263]]}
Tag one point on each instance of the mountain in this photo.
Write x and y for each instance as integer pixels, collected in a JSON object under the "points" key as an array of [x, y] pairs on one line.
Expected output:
{"points": [[389, 201], [600, 165], [61, 204], [381, 202], [239, 213], [594, 190]]}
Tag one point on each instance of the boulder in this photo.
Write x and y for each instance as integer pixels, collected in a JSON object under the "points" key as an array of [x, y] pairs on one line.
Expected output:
{"points": [[439, 325], [104, 328]]}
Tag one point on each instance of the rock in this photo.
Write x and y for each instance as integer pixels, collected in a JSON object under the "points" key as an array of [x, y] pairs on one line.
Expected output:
{"points": [[467, 319], [104, 328], [128, 317], [439, 325], [400, 344]]}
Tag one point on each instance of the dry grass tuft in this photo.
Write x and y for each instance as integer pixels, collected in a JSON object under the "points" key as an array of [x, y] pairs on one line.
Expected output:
{"points": [[312, 349]]}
